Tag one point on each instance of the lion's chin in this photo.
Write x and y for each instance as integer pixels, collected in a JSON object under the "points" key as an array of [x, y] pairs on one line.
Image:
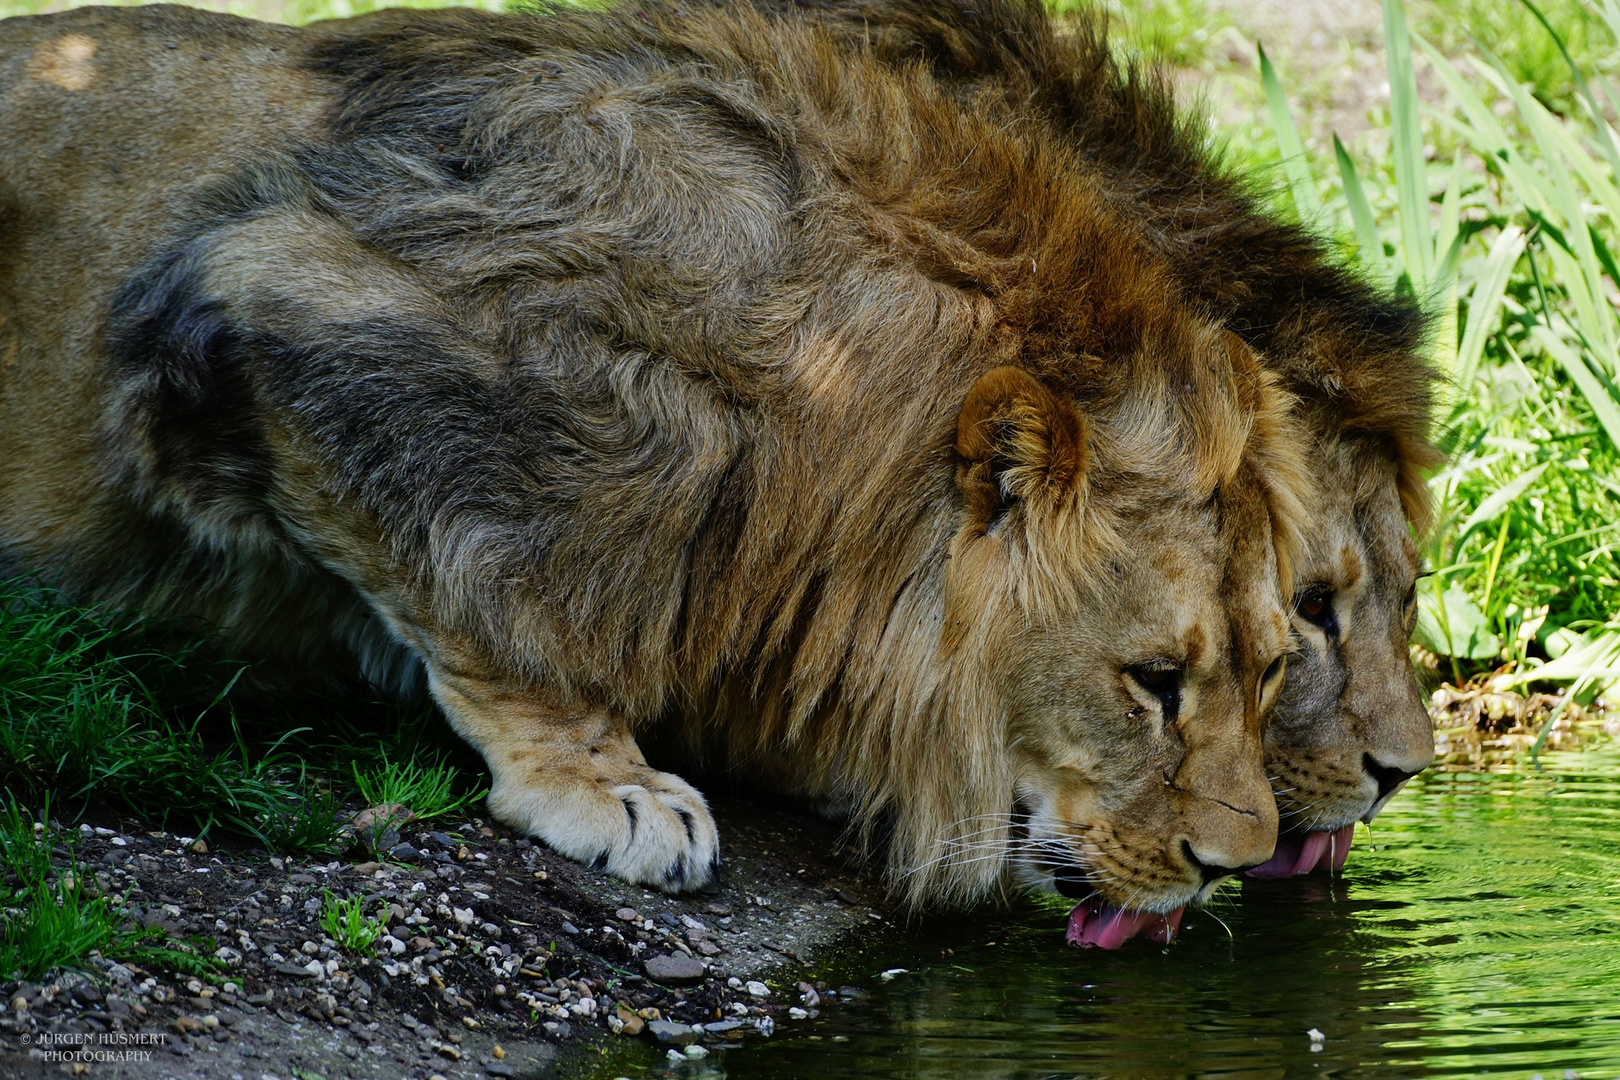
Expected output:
{"points": [[1094, 924], [1301, 853]]}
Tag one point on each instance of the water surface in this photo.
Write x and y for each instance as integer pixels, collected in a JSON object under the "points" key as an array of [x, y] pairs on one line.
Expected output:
{"points": [[1475, 932]]}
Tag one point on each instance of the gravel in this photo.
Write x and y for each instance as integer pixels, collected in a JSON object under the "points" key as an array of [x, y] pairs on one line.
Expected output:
{"points": [[476, 956]]}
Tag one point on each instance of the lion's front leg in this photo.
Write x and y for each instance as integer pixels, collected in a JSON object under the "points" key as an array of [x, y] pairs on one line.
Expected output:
{"points": [[574, 777]]}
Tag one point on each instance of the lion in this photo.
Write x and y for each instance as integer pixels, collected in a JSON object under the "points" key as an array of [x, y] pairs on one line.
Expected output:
{"points": [[657, 370], [1350, 727]]}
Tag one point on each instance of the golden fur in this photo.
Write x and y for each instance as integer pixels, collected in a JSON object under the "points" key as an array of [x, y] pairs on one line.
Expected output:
{"points": [[1350, 725], [656, 370]]}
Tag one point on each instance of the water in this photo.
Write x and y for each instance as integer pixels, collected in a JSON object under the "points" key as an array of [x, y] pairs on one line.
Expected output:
{"points": [[1475, 932]]}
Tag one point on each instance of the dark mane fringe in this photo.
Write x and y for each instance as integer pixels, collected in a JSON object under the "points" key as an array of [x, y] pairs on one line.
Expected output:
{"points": [[1349, 350]]}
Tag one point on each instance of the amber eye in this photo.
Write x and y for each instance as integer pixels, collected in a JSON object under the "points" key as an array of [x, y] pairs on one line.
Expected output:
{"points": [[1315, 604]]}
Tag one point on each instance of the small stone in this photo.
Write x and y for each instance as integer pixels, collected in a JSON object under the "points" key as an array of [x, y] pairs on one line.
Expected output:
{"points": [[188, 1025], [667, 1031], [570, 928], [384, 816], [631, 1023], [720, 1027], [677, 969], [696, 1051], [495, 1068], [797, 1013], [403, 851], [708, 948], [757, 989], [675, 1056], [627, 914]]}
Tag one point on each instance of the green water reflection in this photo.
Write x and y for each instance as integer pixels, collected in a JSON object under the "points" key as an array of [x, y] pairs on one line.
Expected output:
{"points": [[1475, 932]]}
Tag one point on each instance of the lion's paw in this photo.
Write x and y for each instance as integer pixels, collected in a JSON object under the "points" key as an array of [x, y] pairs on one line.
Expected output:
{"points": [[650, 828]]}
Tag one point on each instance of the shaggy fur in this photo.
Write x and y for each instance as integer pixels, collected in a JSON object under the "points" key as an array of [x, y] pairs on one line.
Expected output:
{"points": [[658, 368], [1351, 723]]}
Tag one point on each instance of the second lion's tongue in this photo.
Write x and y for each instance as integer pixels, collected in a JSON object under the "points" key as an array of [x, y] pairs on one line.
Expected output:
{"points": [[1096, 925], [1300, 853]]}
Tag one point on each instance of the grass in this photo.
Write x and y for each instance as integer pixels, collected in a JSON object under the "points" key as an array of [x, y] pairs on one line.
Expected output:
{"points": [[53, 917], [346, 923], [1507, 229], [428, 788]]}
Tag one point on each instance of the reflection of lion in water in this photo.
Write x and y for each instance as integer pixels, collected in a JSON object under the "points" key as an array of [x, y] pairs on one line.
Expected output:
{"points": [[619, 368], [1350, 725]]}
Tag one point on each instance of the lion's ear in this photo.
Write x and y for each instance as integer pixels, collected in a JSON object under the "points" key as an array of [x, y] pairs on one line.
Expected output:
{"points": [[1020, 443]]}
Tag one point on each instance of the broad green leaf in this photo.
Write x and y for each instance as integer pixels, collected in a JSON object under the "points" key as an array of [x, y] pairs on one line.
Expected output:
{"points": [[1450, 624]]}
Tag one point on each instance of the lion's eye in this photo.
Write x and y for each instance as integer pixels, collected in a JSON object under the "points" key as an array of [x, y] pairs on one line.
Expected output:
{"points": [[1162, 679], [1315, 605]]}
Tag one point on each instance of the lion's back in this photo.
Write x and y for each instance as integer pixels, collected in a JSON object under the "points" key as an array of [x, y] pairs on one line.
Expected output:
{"points": [[110, 120]]}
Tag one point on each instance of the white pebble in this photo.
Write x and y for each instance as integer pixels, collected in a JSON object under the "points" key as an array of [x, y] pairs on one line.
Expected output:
{"points": [[758, 989]]}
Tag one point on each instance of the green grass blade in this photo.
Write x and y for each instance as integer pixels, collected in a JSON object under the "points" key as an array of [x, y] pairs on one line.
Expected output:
{"points": [[1498, 501], [1485, 306], [1371, 244], [1605, 135], [1301, 186], [1411, 173], [1603, 402]]}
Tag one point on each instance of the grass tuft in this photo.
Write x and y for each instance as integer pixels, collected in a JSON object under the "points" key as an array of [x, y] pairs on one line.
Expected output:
{"points": [[428, 789], [346, 923]]}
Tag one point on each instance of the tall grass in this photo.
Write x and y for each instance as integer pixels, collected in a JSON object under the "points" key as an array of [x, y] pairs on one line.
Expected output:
{"points": [[1508, 232]]}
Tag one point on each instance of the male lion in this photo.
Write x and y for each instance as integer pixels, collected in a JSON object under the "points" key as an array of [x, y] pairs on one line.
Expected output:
{"points": [[1350, 725], [655, 367]]}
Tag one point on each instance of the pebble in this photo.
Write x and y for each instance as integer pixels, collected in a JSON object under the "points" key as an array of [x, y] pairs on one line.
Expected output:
{"points": [[627, 914], [403, 851], [495, 1068], [757, 989], [677, 968]]}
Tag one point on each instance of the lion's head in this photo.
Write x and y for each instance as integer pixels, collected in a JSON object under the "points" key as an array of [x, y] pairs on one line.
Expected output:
{"points": [[1350, 725]]}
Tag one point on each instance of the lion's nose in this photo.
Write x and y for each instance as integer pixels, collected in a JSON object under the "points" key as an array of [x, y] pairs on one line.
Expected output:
{"points": [[1211, 869], [1387, 777]]}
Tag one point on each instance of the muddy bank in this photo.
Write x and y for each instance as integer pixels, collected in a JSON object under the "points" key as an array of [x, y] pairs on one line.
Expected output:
{"points": [[500, 956]]}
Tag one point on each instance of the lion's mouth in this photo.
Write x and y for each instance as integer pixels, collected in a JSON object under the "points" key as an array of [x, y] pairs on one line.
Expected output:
{"points": [[1301, 853], [1094, 924]]}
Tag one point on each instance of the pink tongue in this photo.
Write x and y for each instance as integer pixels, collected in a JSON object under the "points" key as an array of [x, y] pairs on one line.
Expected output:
{"points": [[1097, 925], [1301, 853]]}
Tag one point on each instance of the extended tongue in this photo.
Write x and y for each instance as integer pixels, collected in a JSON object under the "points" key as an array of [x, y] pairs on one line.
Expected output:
{"points": [[1300, 853], [1102, 926]]}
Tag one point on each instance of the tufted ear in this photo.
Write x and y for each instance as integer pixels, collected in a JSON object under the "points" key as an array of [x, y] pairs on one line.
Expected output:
{"points": [[1020, 443]]}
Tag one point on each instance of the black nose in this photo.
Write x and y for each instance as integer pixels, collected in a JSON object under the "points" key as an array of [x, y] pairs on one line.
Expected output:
{"points": [[1070, 880], [1387, 777], [1212, 871]]}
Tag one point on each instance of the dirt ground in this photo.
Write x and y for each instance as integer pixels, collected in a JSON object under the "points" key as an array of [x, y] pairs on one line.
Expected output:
{"points": [[504, 957]]}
